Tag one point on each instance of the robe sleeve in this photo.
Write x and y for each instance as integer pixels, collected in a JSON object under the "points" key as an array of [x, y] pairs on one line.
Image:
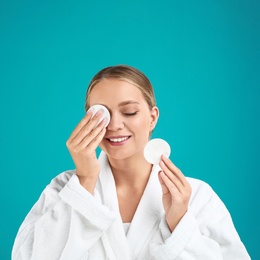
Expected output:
{"points": [[63, 224], [205, 232]]}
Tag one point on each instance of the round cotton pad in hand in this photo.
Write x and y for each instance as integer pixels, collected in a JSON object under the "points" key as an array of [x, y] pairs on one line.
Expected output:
{"points": [[105, 113], [154, 149]]}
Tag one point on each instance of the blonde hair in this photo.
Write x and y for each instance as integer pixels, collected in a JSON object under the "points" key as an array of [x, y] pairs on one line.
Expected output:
{"points": [[128, 74]]}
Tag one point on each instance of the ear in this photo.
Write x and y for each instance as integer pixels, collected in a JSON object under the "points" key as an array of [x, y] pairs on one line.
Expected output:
{"points": [[154, 117]]}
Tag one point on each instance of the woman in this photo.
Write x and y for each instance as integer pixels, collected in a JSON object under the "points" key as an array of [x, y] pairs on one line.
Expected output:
{"points": [[120, 206]]}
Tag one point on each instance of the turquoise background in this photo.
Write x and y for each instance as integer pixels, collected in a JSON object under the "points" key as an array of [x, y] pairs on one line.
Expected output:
{"points": [[202, 58]]}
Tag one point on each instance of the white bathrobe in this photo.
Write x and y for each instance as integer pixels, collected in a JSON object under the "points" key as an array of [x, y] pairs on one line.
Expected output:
{"points": [[69, 223]]}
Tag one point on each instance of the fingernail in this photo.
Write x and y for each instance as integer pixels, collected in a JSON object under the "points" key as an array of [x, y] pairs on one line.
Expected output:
{"points": [[163, 164], [104, 121], [99, 112], [162, 173], [89, 112], [165, 156]]}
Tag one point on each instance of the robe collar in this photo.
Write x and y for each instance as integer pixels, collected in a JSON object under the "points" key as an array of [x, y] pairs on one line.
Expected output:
{"points": [[147, 214]]}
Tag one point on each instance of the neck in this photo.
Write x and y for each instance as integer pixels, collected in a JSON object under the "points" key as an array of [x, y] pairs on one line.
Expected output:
{"points": [[131, 172]]}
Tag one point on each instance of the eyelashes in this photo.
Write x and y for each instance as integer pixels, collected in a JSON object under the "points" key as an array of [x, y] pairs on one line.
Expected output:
{"points": [[130, 114]]}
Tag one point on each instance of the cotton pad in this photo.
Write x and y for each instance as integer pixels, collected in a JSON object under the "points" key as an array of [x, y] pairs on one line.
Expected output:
{"points": [[154, 149], [105, 113]]}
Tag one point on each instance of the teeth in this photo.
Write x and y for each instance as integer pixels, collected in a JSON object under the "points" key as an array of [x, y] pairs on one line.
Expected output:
{"points": [[117, 140]]}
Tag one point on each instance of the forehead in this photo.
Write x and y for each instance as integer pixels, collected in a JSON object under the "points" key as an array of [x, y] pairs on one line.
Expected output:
{"points": [[112, 92]]}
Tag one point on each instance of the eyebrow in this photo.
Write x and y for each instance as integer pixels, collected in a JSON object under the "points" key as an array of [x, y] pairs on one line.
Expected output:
{"points": [[128, 102]]}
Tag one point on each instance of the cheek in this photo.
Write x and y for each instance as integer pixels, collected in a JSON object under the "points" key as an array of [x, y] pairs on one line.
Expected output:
{"points": [[102, 145], [140, 125]]}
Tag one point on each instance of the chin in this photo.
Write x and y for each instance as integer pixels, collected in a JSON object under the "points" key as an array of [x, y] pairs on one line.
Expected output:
{"points": [[122, 154], [118, 155]]}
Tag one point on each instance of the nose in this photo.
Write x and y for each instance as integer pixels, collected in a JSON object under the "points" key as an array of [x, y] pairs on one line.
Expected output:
{"points": [[116, 122]]}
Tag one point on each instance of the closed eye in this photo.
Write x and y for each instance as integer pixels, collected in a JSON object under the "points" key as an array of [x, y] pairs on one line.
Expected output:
{"points": [[130, 114]]}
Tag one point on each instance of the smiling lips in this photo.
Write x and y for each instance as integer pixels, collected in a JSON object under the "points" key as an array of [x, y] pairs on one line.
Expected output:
{"points": [[118, 140]]}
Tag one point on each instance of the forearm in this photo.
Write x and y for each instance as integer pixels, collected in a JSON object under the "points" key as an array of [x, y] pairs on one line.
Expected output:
{"points": [[73, 222]]}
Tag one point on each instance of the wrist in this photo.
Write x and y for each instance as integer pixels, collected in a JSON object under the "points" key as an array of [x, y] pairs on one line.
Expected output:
{"points": [[88, 182], [173, 222]]}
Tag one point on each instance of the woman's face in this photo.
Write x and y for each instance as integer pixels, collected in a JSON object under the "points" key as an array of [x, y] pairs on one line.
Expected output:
{"points": [[131, 119]]}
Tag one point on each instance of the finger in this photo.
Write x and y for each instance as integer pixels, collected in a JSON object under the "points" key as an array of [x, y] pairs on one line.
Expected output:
{"points": [[97, 140], [165, 189], [170, 185], [160, 178], [172, 176], [177, 172], [87, 128], [81, 124], [93, 139]]}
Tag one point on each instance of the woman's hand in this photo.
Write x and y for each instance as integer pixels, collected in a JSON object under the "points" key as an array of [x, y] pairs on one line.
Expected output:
{"points": [[176, 192], [82, 146]]}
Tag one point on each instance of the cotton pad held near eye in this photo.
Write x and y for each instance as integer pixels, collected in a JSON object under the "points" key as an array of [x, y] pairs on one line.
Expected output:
{"points": [[154, 149], [105, 113]]}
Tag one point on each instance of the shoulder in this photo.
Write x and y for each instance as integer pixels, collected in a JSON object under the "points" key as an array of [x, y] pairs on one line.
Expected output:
{"points": [[199, 185], [203, 196], [49, 196], [202, 192]]}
